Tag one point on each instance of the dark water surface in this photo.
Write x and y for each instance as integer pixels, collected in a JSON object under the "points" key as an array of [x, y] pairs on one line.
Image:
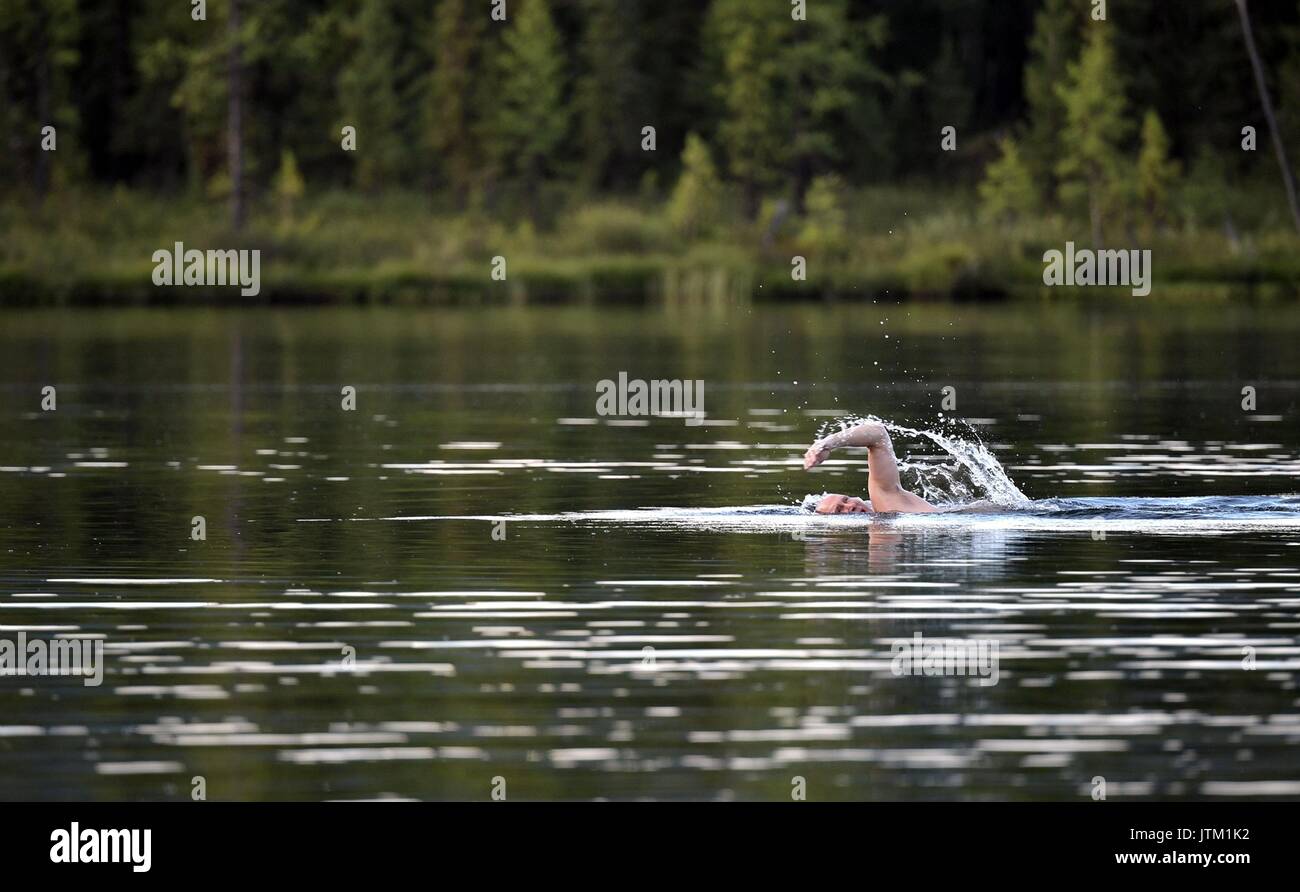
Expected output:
{"points": [[474, 541]]}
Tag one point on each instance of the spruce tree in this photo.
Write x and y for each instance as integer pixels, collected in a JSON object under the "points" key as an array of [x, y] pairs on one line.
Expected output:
{"points": [[1007, 190], [1090, 167], [38, 50], [825, 81], [610, 94], [694, 205], [370, 98], [530, 115], [453, 123], [1054, 43], [750, 132], [1157, 173]]}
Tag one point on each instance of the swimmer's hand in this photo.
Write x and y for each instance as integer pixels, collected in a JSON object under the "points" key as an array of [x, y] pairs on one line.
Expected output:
{"points": [[870, 434], [816, 454]]}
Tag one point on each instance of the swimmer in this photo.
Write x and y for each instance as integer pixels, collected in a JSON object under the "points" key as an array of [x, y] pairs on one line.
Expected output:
{"points": [[883, 486]]}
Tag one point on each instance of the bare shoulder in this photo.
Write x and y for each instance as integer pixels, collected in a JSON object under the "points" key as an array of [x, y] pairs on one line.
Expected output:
{"points": [[920, 505], [902, 501]]}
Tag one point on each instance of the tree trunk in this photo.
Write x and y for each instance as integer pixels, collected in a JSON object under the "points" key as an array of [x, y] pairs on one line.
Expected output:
{"points": [[235, 121], [1288, 181]]}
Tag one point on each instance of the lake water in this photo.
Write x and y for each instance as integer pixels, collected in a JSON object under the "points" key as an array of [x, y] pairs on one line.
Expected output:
{"points": [[475, 582]]}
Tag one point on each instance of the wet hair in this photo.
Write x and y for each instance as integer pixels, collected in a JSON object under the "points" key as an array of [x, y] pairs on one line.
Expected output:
{"points": [[811, 501]]}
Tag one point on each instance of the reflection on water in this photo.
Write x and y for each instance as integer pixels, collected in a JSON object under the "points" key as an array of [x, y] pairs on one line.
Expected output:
{"points": [[474, 576]]}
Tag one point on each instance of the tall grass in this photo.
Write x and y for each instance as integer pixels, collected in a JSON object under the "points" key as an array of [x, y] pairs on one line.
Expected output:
{"points": [[345, 245]]}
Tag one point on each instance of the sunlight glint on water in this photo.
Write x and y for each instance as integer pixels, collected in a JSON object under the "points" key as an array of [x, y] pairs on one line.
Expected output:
{"points": [[659, 619]]}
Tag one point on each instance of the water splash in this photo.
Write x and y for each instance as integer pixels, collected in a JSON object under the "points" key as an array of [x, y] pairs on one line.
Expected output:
{"points": [[969, 473], [1182, 516]]}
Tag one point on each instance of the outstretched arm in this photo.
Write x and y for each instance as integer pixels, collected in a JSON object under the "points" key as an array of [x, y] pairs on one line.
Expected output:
{"points": [[883, 486]]}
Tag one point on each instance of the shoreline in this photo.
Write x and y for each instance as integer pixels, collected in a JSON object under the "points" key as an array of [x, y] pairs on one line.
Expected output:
{"points": [[612, 281]]}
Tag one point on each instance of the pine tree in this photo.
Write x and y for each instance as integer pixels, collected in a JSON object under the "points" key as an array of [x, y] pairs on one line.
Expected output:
{"points": [[187, 64], [288, 186], [825, 225], [1090, 167], [289, 102], [1156, 173], [38, 50], [454, 123], [672, 56], [750, 131], [370, 96], [1054, 42], [693, 207], [191, 61], [531, 118], [824, 86], [610, 94], [795, 98], [1007, 190]]}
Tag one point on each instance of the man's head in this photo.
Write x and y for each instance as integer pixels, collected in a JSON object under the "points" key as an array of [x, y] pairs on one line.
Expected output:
{"points": [[834, 503]]}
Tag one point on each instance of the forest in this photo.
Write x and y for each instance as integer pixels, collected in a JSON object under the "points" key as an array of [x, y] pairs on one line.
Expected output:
{"points": [[620, 149]]}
